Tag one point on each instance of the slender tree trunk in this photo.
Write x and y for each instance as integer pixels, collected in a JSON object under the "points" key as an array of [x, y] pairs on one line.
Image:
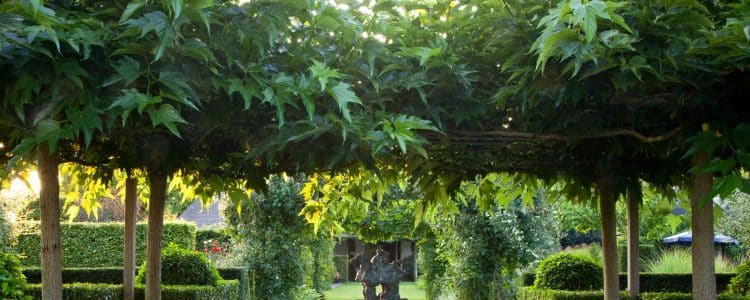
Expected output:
{"points": [[704, 279], [128, 276], [51, 248], [609, 238], [158, 190], [634, 201]]}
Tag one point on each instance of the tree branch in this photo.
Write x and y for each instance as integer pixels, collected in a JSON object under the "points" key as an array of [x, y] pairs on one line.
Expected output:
{"points": [[564, 138]]}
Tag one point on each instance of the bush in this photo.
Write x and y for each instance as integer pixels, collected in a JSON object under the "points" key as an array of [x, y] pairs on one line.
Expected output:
{"points": [[740, 284], [530, 293], [100, 244], [651, 282], [111, 275], [242, 275], [646, 253], [565, 271], [225, 289], [182, 266], [12, 280]]}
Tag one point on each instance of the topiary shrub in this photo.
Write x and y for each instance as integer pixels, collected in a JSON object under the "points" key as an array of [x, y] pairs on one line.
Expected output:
{"points": [[12, 280], [566, 271], [183, 267], [740, 284]]}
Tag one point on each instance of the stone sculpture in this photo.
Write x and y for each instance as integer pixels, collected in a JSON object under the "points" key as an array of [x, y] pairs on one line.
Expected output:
{"points": [[379, 271]]}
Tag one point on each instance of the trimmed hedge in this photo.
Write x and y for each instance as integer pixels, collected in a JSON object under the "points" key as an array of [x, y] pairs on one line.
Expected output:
{"points": [[530, 293], [225, 289], [114, 276], [81, 291], [342, 266], [243, 276], [110, 275], [653, 282], [100, 244]]}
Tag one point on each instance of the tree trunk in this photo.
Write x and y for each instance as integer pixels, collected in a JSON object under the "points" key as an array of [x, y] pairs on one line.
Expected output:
{"points": [[128, 276], [158, 189], [609, 238], [49, 198], [704, 279], [634, 200]]}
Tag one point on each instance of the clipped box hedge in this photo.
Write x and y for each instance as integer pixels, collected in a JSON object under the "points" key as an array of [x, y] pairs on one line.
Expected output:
{"points": [[110, 275], [530, 293], [225, 289], [241, 274], [656, 282], [100, 244], [113, 275]]}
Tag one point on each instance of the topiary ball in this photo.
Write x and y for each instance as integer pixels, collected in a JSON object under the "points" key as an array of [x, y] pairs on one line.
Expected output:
{"points": [[182, 266], [566, 271], [740, 284], [12, 280]]}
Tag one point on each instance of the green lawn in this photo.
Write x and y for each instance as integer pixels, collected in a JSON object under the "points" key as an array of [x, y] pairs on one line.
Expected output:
{"points": [[353, 290]]}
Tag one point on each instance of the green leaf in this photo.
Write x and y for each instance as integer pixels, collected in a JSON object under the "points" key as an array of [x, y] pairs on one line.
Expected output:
{"points": [[36, 4], [323, 73], [248, 91], [176, 8], [132, 99], [48, 131], [176, 82], [130, 9], [126, 69], [168, 116], [86, 120], [343, 95]]}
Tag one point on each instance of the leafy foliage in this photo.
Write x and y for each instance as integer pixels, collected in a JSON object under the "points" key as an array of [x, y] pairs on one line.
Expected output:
{"points": [[181, 266], [277, 243], [738, 208], [566, 271], [740, 284], [478, 254], [12, 280]]}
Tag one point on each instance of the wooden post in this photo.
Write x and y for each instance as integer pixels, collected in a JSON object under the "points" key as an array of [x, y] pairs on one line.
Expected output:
{"points": [[51, 247], [635, 196], [704, 278], [609, 237], [128, 276], [158, 189]]}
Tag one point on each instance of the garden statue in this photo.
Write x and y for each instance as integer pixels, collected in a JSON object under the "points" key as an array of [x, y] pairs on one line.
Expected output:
{"points": [[379, 271]]}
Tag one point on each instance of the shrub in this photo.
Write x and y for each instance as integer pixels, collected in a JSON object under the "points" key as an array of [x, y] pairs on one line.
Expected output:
{"points": [[182, 266], [652, 282], [100, 244], [111, 275], [12, 280], [530, 293], [225, 289], [740, 284], [565, 271]]}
